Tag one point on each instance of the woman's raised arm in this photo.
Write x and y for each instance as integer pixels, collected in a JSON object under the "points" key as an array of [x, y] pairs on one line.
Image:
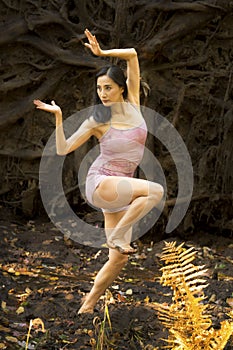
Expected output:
{"points": [[128, 54]]}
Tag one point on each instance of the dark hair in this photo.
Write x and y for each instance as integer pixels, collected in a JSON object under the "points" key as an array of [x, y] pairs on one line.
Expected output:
{"points": [[101, 113]]}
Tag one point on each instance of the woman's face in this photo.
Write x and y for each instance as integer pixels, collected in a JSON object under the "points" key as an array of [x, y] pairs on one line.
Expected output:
{"points": [[108, 91]]}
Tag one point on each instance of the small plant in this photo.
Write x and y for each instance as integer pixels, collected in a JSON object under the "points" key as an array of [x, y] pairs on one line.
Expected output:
{"points": [[186, 318], [38, 324], [103, 328]]}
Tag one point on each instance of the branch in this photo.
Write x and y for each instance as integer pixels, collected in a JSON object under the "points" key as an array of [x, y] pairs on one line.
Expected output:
{"points": [[190, 63], [12, 30], [178, 27], [168, 5], [201, 197], [15, 83], [58, 54], [81, 8], [22, 154], [22, 108], [10, 6], [43, 17]]}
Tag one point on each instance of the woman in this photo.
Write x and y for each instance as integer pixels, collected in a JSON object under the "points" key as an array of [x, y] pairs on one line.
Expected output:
{"points": [[121, 130]]}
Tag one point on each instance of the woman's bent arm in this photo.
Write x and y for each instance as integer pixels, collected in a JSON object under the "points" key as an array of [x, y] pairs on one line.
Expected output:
{"points": [[63, 145], [128, 54]]}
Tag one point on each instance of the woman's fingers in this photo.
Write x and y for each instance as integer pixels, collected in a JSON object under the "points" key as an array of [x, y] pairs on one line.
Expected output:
{"points": [[89, 35], [88, 45], [41, 105], [92, 39], [38, 103]]}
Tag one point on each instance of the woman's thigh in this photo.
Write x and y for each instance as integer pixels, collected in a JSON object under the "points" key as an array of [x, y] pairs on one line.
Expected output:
{"points": [[115, 191]]}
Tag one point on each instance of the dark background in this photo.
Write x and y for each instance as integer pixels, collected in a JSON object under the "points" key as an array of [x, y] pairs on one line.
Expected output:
{"points": [[185, 50]]}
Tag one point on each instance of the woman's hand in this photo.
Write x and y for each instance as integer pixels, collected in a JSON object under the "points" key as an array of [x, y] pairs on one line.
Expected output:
{"points": [[53, 108], [93, 44]]}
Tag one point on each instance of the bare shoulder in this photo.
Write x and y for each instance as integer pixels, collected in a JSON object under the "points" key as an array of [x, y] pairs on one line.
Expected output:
{"points": [[96, 129], [90, 123]]}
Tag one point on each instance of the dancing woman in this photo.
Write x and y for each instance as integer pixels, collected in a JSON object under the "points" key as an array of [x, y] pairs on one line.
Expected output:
{"points": [[121, 130]]}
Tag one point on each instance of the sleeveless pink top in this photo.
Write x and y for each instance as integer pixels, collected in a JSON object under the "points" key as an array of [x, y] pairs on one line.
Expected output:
{"points": [[121, 151]]}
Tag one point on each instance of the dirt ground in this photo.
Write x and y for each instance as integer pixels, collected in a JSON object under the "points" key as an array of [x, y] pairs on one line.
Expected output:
{"points": [[43, 276]]}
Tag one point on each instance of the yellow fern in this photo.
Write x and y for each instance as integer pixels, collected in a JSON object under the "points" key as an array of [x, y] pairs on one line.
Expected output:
{"points": [[186, 318]]}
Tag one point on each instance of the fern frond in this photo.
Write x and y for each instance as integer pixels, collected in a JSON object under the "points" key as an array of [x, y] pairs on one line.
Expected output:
{"points": [[186, 318], [221, 336], [181, 342]]}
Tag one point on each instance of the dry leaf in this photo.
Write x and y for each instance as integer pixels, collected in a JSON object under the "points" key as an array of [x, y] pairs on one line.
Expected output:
{"points": [[53, 278], [3, 305], [4, 329], [38, 324], [12, 339], [222, 276], [47, 242], [129, 292], [20, 310], [121, 297], [69, 296], [230, 301]]}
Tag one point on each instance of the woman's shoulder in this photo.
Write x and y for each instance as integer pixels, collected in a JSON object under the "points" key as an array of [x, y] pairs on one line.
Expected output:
{"points": [[133, 99], [134, 107], [90, 120], [97, 128]]}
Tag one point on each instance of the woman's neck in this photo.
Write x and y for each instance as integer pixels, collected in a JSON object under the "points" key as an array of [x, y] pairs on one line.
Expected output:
{"points": [[118, 109]]}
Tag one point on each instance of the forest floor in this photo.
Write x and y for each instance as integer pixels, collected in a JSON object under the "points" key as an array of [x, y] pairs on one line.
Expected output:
{"points": [[43, 278]]}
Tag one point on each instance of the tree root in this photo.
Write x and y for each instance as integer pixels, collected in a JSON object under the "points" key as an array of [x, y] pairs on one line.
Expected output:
{"points": [[22, 108], [58, 54], [178, 27], [25, 154]]}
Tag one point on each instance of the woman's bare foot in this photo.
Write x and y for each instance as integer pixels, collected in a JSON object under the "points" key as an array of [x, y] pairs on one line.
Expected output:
{"points": [[122, 247], [83, 310]]}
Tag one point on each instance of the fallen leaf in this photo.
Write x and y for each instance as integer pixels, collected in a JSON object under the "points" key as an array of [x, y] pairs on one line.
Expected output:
{"points": [[129, 292], [53, 278], [222, 276], [92, 342], [47, 242], [147, 299], [38, 324], [28, 290], [3, 305], [121, 298], [69, 296], [4, 329], [230, 301], [20, 310], [115, 286], [11, 339]]}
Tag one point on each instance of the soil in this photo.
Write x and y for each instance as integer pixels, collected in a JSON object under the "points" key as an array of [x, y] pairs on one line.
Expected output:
{"points": [[44, 276]]}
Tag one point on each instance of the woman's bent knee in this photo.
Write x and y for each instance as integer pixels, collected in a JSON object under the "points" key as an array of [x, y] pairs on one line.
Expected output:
{"points": [[157, 192]]}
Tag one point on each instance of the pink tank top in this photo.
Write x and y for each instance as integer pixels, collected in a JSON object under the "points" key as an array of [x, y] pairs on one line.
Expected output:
{"points": [[121, 151]]}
